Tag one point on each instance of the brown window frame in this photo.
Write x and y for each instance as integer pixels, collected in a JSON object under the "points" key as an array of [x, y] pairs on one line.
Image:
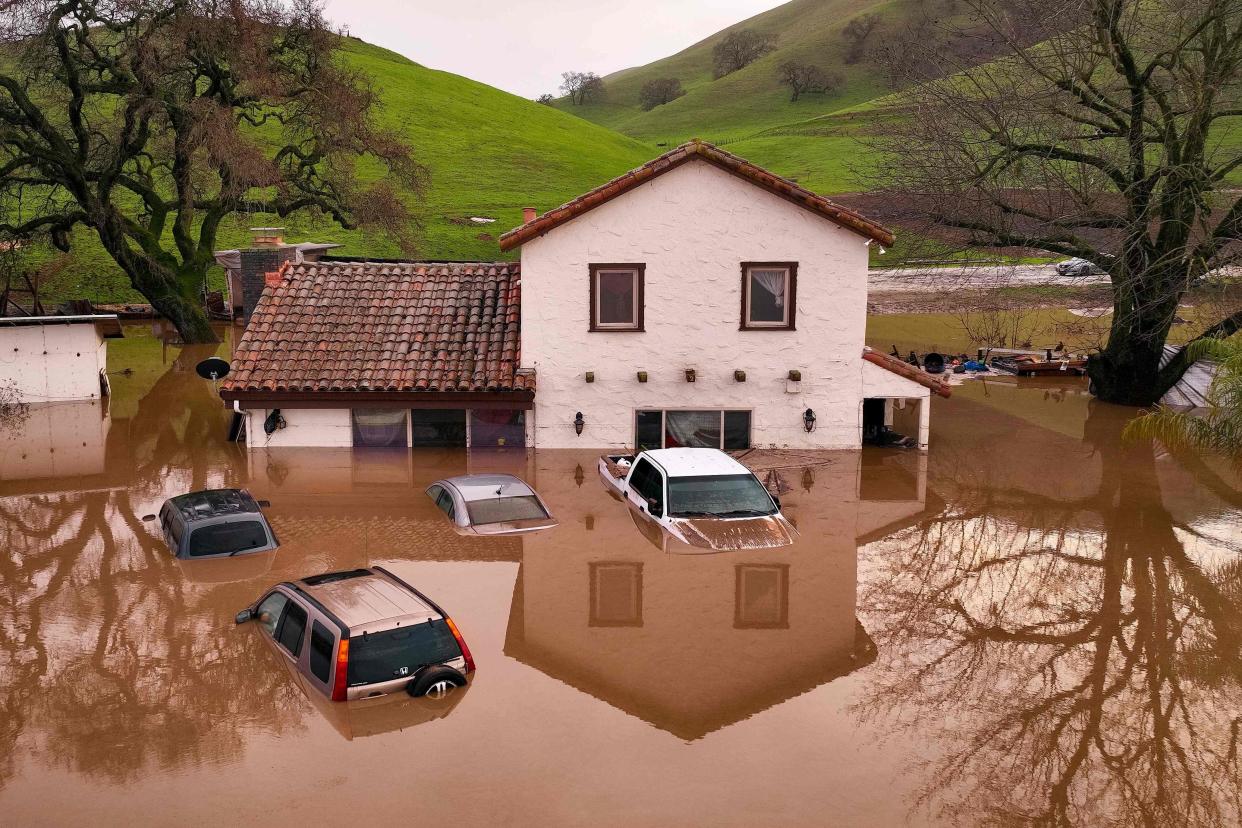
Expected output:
{"points": [[792, 304], [640, 271]]}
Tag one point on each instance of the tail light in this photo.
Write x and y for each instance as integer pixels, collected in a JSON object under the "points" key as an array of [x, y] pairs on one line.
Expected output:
{"points": [[461, 642], [342, 670]]}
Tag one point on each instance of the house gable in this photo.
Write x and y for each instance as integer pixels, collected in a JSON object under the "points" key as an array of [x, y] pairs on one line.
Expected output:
{"points": [[701, 151]]}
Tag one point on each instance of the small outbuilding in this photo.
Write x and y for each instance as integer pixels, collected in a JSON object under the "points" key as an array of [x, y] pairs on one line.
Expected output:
{"points": [[57, 358]]}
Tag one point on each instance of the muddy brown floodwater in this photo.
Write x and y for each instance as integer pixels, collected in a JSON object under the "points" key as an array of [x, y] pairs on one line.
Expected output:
{"points": [[1035, 623]]}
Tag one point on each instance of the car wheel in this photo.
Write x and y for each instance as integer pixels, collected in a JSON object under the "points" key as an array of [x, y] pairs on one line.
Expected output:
{"points": [[435, 681]]}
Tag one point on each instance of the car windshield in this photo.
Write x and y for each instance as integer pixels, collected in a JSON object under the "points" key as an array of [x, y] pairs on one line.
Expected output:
{"points": [[227, 538], [505, 509], [400, 652], [718, 495]]}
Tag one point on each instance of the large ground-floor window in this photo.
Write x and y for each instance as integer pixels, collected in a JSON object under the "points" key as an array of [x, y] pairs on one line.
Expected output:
{"points": [[379, 428], [709, 428], [497, 428], [438, 427]]}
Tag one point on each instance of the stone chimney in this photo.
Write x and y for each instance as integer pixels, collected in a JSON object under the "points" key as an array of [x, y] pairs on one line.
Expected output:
{"points": [[529, 214], [261, 262]]}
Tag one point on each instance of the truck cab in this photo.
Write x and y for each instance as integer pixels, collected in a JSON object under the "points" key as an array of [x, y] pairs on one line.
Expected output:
{"points": [[701, 496]]}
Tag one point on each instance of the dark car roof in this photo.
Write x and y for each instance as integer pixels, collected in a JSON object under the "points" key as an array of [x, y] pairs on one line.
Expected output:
{"points": [[214, 503]]}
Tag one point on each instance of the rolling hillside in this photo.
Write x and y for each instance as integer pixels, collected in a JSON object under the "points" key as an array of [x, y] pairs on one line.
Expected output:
{"points": [[489, 154], [750, 100]]}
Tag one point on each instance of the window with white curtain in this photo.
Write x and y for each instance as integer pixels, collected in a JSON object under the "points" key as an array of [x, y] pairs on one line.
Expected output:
{"points": [[769, 295]]}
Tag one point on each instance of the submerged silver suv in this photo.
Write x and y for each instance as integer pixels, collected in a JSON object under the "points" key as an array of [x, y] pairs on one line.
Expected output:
{"points": [[362, 633]]}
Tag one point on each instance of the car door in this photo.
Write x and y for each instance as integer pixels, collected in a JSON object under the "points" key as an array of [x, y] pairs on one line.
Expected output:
{"points": [[282, 623], [647, 485]]}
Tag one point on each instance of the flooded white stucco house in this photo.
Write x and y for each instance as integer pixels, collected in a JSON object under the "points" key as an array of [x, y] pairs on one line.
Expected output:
{"points": [[48, 359], [695, 301], [701, 300]]}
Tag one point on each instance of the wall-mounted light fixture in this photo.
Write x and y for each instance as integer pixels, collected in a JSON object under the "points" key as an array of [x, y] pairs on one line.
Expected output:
{"points": [[795, 376], [579, 475], [808, 420], [590, 523], [579, 422], [689, 375], [739, 375], [590, 376], [642, 376]]}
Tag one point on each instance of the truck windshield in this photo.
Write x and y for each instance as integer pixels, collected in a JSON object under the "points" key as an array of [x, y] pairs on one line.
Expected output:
{"points": [[718, 495], [398, 653], [504, 509]]}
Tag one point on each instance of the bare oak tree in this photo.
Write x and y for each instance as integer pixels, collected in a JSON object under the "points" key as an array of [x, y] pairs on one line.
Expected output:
{"points": [[659, 92], [804, 79], [740, 49], [582, 86], [1102, 132], [151, 122], [856, 33]]}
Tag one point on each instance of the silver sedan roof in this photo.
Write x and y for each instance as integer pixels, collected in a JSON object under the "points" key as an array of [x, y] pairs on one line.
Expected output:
{"points": [[474, 487]]}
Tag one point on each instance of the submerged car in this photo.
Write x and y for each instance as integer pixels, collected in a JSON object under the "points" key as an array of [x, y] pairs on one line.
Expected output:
{"points": [[701, 496], [362, 633], [1078, 267], [215, 523], [490, 504]]}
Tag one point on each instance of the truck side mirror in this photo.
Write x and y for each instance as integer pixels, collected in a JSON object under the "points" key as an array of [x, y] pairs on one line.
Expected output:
{"points": [[654, 507], [148, 518]]}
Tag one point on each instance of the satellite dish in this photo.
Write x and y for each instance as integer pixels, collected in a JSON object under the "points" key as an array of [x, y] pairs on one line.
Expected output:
{"points": [[212, 368]]}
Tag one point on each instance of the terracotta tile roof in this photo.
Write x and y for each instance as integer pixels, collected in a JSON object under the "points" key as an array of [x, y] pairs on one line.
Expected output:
{"points": [[905, 369], [728, 162], [333, 326]]}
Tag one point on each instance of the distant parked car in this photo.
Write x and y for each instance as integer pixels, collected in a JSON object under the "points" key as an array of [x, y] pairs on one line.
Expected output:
{"points": [[490, 504], [1077, 268], [215, 523], [362, 633]]}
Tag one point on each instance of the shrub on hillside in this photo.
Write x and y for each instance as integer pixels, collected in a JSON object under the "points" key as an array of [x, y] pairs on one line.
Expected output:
{"points": [[545, 99], [856, 34], [806, 79], [740, 49], [582, 87], [658, 92]]}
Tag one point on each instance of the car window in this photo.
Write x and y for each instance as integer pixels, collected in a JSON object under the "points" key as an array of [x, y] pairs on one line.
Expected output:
{"points": [[321, 651], [504, 509], [291, 629], [269, 611], [227, 538], [394, 654], [445, 502], [174, 528], [646, 480]]}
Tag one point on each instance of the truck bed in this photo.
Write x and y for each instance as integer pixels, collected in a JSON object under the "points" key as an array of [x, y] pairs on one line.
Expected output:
{"points": [[613, 469]]}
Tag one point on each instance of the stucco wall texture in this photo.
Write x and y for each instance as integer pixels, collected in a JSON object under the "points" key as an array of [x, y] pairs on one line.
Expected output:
{"points": [[49, 363], [324, 427], [692, 228]]}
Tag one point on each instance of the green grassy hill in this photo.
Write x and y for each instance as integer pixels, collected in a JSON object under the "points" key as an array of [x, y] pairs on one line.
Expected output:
{"points": [[751, 100], [489, 154]]}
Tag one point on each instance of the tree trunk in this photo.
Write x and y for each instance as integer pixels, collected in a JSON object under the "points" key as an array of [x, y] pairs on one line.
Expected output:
{"points": [[174, 298], [1127, 370]]}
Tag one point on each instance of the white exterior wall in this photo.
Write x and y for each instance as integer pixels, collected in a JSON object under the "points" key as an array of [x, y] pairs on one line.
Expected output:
{"points": [[692, 228], [322, 427], [49, 363]]}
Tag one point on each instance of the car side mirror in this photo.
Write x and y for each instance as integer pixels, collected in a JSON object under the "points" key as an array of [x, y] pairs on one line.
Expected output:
{"points": [[243, 616], [148, 518], [654, 507], [266, 504], [777, 501]]}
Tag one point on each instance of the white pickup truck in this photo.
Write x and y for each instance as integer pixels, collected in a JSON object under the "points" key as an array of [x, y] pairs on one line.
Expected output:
{"points": [[700, 496]]}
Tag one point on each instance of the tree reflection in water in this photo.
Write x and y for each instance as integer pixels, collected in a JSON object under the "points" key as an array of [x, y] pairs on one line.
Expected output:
{"points": [[111, 662], [1071, 661]]}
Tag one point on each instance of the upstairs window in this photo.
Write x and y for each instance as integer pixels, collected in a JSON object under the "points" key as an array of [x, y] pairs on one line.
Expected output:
{"points": [[617, 297], [769, 294]]}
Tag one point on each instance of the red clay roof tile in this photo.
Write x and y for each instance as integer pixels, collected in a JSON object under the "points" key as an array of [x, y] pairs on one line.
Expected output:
{"points": [[370, 326]]}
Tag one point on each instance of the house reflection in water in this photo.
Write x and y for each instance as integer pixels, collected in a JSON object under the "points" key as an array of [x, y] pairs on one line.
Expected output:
{"points": [[55, 440], [690, 642]]}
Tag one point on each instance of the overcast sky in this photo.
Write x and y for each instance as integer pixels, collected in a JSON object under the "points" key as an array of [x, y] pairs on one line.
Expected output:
{"points": [[522, 46]]}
